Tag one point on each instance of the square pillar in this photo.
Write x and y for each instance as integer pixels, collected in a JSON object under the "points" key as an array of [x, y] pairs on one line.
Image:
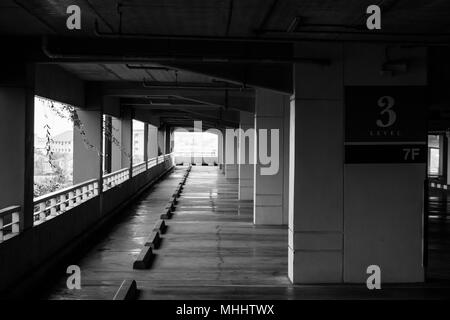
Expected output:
{"points": [[17, 89], [87, 146], [383, 194], [446, 158], [270, 189], [146, 144], [107, 148], [231, 154], [246, 149], [126, 138], [220, 143], [167, 140], [160, 141], [224, 149], [116, 145], [152, 142]]}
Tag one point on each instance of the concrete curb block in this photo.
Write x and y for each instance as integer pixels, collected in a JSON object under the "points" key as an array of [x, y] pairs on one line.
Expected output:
{"points": [[127, 291], [160, 226], [144, 259], [154, 240]]}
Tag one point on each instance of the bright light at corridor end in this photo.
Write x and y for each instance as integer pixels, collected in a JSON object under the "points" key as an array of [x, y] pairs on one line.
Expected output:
{"points": [[239, 145]]}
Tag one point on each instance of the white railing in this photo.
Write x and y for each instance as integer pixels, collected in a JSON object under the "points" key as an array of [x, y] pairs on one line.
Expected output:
{"points": [[139, 168], [195, 154], [151, 162], [53, 204], [439, 185], [50, 205], [9, 222], [113, 179]]}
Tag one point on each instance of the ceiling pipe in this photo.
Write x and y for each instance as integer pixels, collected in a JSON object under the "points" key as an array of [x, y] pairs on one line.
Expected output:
{"points": [[187, 85], [282, 36], [354, 30], [157, 68], [176, 58]]}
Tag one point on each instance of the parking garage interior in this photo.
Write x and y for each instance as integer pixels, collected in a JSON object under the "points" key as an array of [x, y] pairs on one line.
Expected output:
{"points": [[313, 149]]}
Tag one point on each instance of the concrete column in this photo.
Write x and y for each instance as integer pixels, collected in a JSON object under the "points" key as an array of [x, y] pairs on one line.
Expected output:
{"points": [[116, 145], [446, 158], [224, 149], [126, 139], [152, 143], [167, 140], [146, 144], [246, 151], [316, 171], [270, 188], [172, 140], [344, 216], [220, 158], [107, 148], [17, 139], [231, 154], [87, 146], [383, 202], [160, 140]]}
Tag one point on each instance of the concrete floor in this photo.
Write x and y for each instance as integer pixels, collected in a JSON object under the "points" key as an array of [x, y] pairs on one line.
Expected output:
{"points": [[212, 250]]}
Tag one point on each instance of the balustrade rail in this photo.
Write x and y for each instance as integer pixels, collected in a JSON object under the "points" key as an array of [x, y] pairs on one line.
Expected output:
{"points": [[9, 222], [50, 205], [438, 185], [113, 179], [195, 154], [53, 204], [152, 162], [139, 168]]}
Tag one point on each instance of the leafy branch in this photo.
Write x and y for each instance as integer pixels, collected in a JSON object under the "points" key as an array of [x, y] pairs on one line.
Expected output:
{"points": [[69, 112]]}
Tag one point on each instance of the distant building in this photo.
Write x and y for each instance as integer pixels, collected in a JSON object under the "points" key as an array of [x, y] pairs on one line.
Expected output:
{"points": [[138, 145], [62, 157], [63, 143]]}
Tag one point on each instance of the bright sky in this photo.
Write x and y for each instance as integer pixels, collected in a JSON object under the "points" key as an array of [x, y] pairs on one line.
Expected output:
{"points": [[195, 142], [138, 125], [44, 115]]}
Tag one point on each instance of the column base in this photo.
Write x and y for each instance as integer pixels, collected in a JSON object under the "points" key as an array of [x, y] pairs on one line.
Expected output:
{"points": [[245, 189], [231, 171], [314, 267]]}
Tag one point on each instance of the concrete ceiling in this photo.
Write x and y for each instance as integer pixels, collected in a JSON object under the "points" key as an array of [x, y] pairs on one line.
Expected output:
{"points": [[168, 34], [222, 18]]}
